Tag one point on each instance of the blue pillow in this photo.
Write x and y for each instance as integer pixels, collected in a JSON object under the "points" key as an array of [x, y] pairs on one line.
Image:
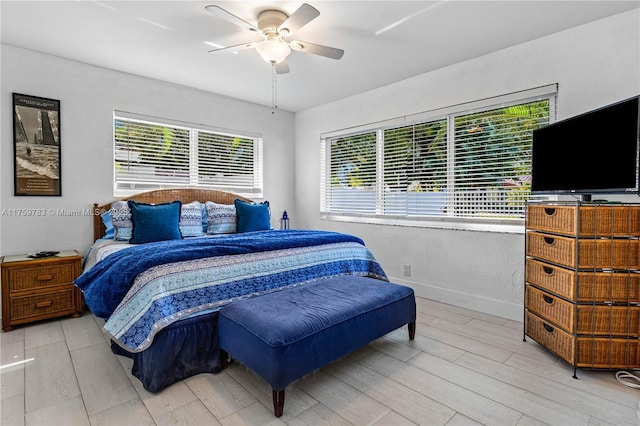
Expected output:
{"points": [[155, 222], [108, 224], [252, 217]]}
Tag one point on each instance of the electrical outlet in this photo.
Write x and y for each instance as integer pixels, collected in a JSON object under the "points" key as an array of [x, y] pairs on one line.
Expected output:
{"points": [[406, 270]]}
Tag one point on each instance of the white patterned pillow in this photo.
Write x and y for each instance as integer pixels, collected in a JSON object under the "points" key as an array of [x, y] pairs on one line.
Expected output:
{"points": [[191, 220], [221, 218], [121, 219]]}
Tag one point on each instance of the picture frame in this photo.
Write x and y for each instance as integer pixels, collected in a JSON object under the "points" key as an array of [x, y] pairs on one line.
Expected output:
{"points": [[36, 146]]}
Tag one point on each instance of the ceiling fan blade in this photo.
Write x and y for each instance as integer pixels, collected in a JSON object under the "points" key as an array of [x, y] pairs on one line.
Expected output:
{"points": [[235, 48], [301, 17], [228, 16], [282, 67], [317, 49]]}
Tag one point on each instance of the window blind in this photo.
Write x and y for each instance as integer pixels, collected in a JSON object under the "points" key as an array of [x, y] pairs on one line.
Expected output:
{"points": [[492, 160], [352, 170], [415, 169], [471, 164], [152, 154]]}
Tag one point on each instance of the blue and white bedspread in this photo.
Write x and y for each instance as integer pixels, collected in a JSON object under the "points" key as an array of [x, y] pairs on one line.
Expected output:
{"points": [[144, 288]]}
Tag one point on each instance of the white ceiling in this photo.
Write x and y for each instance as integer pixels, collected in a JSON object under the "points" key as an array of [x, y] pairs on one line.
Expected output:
{"points": [[166, 40]]}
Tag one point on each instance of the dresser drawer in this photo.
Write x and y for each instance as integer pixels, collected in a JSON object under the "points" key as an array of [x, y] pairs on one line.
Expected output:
{"points": [[609, 253], [584, 351], [608, 320], [605, 221], [550, 307], [550, 277], [598, 253], [597, 320], [550, 336], [602, 352], [43, 305], [42, 276], [617, 287]]}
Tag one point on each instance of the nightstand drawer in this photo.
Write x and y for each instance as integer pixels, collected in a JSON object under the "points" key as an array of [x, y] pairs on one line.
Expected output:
{"points": [[39, 277], [42, 305]]}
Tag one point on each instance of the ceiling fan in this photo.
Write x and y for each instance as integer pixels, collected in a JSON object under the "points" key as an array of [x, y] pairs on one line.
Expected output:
{"points": [[275, 27]]}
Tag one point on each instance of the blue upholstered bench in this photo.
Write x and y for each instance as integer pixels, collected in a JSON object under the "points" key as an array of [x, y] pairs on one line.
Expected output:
{"points": [[285, 335]]}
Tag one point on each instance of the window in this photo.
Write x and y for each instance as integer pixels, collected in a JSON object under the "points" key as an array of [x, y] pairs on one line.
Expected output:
{"points": [[149, 154], [469, 162]]}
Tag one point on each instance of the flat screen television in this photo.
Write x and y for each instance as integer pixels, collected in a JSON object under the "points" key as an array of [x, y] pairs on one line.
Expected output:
{"points": [[592, 153]]}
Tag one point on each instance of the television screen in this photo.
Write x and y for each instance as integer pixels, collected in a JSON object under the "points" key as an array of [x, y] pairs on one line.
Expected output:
{"points": [[595, 152]]}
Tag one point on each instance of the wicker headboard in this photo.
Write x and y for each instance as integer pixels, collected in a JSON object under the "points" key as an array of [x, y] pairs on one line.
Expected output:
{"points": [[186, 195]]}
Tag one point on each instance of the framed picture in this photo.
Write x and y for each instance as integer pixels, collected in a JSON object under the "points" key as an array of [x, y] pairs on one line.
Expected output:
{"points": [[36, 145]]}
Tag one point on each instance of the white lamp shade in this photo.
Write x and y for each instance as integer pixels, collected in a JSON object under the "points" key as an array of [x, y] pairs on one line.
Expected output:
{"points": [[273, 51]]}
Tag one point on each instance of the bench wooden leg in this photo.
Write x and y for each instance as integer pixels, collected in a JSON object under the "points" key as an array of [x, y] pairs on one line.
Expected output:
{"points": [[278, 402], [412, 330]]}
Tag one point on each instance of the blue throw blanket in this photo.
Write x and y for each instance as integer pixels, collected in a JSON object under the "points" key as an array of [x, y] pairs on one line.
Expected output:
{"points": [[105, 285], [142, 289]]}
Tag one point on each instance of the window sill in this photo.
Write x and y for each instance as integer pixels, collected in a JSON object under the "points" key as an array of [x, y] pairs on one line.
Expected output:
{"points": [[497, 226]]}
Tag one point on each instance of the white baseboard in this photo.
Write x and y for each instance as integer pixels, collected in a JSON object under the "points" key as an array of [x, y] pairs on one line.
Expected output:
{"points": [[470, 301]]}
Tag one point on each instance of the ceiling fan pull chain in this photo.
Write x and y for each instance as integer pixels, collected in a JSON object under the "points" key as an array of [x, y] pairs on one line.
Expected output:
{"points": [[274, 89]]}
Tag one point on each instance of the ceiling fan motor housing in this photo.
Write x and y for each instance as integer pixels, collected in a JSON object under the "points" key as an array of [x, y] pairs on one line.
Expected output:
{"points": [[270, 20]]}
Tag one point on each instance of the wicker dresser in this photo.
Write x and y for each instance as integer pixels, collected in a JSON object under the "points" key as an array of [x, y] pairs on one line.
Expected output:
{"points": [[35, 289], [582, 290]]}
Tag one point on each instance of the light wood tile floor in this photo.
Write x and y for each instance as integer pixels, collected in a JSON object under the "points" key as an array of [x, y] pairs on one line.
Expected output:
{"points": [[463, 368]]}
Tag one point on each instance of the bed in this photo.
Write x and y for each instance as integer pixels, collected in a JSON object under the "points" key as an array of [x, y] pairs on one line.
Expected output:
{"points": [[160, 299]]}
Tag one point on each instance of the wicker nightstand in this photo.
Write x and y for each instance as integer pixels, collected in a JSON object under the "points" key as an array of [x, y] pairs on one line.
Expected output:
{"points": [[36, 289]]}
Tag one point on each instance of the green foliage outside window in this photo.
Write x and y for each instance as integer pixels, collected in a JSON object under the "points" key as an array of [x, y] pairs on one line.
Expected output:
{"points": [[353, 161], [416, 157], [484, 166], [149, 155]]}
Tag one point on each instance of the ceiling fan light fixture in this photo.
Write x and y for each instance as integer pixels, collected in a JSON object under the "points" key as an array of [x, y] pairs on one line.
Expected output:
{"points": [[273, 51]]}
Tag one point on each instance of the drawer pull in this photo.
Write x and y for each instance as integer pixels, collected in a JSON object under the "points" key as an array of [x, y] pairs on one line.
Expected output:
{"points": [[549, 240], [547, 270], [548, 328], [44, 304], [549, 211], [47, 277], [548, 299]]}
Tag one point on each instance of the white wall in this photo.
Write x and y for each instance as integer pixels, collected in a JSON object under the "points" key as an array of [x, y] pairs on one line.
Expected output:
{"points": [[88, 96], [594, 64]]}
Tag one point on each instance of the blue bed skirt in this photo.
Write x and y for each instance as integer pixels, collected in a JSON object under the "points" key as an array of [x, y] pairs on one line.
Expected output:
{"points": [[183, 349]]}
